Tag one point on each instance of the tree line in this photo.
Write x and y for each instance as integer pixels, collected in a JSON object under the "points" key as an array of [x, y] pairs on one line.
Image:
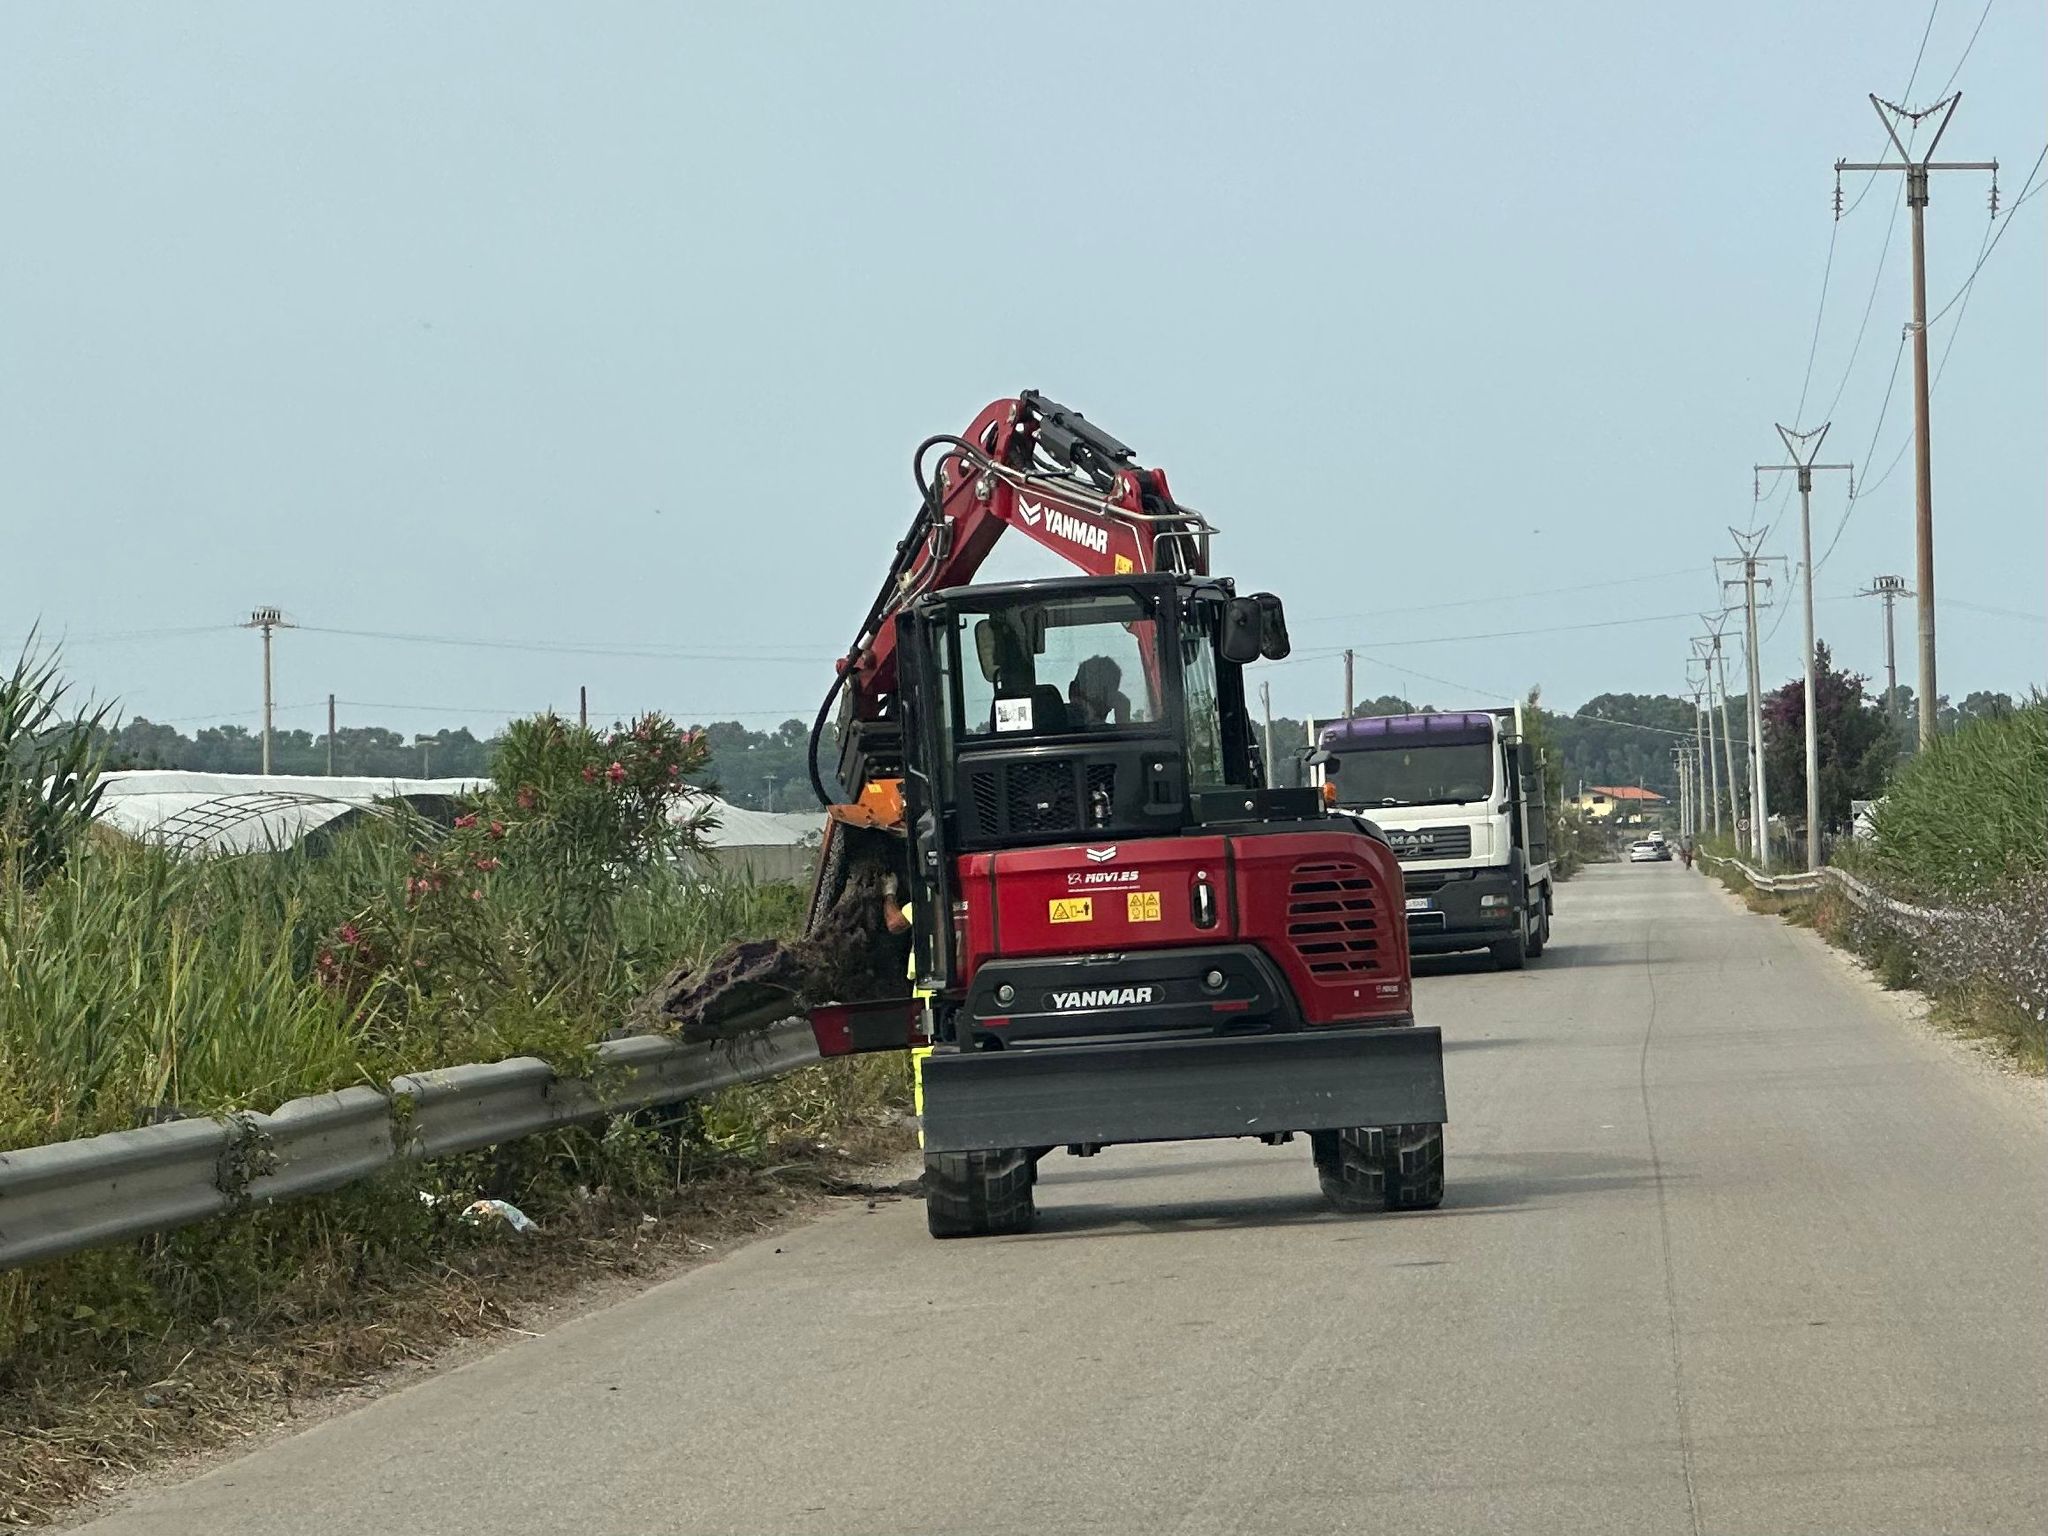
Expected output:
{"points": [[1611, 739]]}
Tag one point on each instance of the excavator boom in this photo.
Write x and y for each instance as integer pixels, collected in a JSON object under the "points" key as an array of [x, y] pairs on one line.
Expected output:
{"points": [[1027, 463]]}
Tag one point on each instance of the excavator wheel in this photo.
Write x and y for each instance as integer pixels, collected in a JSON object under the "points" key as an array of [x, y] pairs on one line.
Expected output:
{"points": [[1374, 1168], [979, 1194]]}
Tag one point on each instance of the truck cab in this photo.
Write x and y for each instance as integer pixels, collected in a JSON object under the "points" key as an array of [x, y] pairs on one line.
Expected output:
{"points": [[1459, 796]]}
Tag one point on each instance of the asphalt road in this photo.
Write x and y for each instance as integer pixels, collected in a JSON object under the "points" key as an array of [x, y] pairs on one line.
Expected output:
{"points": [[1728, 1246]]}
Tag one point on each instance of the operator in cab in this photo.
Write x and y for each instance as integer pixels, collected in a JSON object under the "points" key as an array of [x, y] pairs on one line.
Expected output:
{"points": [[1095, 695]]}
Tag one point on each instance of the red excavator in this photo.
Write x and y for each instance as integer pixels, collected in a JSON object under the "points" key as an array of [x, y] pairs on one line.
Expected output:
{"points": [[1120, 933]]}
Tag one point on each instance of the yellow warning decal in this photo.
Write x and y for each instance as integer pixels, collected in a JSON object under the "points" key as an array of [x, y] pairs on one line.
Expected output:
{"points": [[1071, 909], [1142, 906], [1124, 567]]}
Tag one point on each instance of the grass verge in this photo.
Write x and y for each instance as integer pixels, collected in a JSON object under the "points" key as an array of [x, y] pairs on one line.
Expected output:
{"points": [[1975, 994], [125, 1358]]}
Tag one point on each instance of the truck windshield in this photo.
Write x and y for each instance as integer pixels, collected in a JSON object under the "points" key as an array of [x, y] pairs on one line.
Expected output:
{"points": [[1449, 773], [1057, 666]]}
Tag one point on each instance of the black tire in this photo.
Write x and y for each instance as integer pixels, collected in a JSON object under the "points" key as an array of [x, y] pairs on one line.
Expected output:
{"points": [[1352, 1167], [1539, 931], [1413, 1167], [1381, 1168], [1512, 954], [979, 1194]]}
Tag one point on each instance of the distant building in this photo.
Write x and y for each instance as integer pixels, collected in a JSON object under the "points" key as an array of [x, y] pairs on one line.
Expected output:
{"points": [[1617, 803]]}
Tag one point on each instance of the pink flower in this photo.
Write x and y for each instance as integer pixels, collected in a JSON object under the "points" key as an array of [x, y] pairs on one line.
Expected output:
{"points": [[466, 821], [350, 935], [675, 770], [486, 864], [527, 799], [497, 830], [589, 774], [476, 895], [616, 773]]}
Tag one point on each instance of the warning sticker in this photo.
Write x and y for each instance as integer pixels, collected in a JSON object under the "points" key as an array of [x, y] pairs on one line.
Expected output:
{"points": [[1013, 714], [1071, 909], [1142, 906], [1123, 565]]}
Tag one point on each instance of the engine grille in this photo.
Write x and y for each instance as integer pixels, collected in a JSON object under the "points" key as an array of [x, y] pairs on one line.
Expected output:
{"points": [[1026, 798], [1430, 842], [1333, 918]]}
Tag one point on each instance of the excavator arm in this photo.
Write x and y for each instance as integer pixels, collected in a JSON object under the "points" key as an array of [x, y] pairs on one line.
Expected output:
{"points": [[1027, 463]]}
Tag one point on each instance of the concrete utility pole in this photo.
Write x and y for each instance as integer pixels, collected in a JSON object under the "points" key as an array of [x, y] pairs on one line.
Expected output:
{"points": [[1703, 747], [583, 706], [330, 735], [1794, 441], [1266, 704], [1350, 697], [1891, 589], [267, 620], [1917, 172], [1759, 795], [1717, 683]]}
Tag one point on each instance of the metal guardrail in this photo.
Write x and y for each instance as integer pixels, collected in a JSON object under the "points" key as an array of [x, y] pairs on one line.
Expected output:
{"points": [[73, 1195], [1863, 896]]}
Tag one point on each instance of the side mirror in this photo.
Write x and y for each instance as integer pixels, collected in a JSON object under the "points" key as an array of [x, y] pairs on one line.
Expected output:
{"points": [[1324, 759], [1273, 642], [1243, 631]]}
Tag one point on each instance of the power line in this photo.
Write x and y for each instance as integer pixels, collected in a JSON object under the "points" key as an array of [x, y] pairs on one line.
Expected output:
{"points": [[1513, 634], [570, 648], [1991, 239], [2003, 613], [1982, 17], [1473, 602], [1854, 490]]}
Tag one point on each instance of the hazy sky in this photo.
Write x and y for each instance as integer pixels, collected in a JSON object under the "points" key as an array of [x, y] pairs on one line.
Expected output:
{"points": [[602, 329]]}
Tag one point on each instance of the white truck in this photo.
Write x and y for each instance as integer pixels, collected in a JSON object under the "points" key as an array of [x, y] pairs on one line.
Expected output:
{"points": [[1460, 797]]}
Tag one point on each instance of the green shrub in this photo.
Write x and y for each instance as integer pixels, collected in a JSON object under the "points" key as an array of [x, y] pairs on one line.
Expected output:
{"points": [[1970, 812]]}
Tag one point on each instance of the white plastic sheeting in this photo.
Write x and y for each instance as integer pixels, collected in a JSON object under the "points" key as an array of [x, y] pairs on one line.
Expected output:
{"points": [[250, 813]]}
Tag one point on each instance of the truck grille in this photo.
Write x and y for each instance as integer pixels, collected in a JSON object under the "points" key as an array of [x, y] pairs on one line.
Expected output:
{"points": [[1431, 843], [1333, 918]]}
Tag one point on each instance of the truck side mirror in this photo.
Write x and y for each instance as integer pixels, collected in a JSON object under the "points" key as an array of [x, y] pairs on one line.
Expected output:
{"points": [[1243, 631], [1273, 642]]}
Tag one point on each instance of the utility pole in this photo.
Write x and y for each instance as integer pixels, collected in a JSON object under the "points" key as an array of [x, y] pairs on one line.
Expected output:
{"points": [[1717, 664], [330, 735], [1805, 466], [583, 706], [1917, 173], [1891, 589], [1350, 696], [1266, 704], [1759, 795], [1703, 747], [267, 620]]}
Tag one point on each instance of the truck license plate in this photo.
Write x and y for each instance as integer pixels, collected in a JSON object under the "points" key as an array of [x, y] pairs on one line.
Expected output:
{"points": [[1420, 904]]}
